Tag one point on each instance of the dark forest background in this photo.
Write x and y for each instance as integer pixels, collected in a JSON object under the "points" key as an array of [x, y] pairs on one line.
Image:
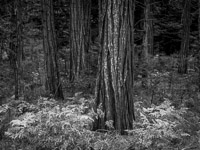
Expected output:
{"points": [[99, 74]]}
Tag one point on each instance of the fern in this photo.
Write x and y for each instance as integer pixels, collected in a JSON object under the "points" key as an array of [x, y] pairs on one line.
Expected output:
{"points": [[158, 125], [53, 126]]}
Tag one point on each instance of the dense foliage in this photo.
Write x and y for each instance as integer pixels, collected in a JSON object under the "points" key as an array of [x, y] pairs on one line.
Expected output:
{"points": [[52, 125]]}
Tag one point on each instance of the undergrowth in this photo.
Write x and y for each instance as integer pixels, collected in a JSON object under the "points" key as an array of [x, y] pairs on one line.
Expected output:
{"points": [[166, 108], [67, 126]]}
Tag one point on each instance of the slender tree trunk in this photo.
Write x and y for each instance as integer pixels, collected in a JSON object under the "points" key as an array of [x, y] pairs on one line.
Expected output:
{"points": [[15, 44], [80, 36], [148, 28], [53, 83], [199, 47], [19, 48], [185, 38], [87, 25], [115, 79]]}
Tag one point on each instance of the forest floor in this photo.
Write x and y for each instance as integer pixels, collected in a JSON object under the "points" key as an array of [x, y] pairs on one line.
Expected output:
{"points": [[167, 107]]}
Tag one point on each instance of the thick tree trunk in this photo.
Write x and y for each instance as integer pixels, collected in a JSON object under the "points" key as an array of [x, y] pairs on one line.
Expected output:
{"points": [[185, 38], [148, 28], [115, 80], [53, 83], [80, 36]]}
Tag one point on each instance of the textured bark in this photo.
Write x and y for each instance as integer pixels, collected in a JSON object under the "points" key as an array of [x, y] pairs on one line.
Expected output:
{"points": [[80, 36], [148, 28], [115, 79], [185, 38], [53, 84]]}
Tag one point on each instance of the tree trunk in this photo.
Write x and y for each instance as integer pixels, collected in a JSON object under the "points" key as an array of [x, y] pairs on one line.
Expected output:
{"points": [[114, 87], [19, 48], [185, 38], [53, 83], [80, 36], [199, 47], [15, 45], [148, 28]]}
